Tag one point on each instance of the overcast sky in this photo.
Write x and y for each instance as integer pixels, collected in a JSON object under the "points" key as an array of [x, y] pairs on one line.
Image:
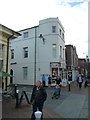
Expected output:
{"points": [[73, 14]]}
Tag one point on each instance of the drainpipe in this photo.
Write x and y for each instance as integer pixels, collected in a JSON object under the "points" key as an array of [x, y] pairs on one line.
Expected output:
{"points": [[7, 60], [35, 55]]}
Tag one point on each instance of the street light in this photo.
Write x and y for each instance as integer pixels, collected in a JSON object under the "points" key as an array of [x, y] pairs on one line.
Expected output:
{"points": [[40, 36]]}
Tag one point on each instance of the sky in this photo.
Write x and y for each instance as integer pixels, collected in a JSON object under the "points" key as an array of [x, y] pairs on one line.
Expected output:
{"points": [[73, 14]]}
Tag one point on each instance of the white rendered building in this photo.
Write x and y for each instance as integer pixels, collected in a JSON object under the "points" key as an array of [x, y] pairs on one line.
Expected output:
{"points": [[39, 50]]}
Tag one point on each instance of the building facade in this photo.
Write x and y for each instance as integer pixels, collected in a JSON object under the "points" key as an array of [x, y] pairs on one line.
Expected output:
{"points": [[82, 66], [39, 50], [6, 35], [71, 62]]}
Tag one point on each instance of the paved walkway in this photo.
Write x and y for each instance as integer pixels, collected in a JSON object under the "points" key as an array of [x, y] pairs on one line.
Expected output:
{"points": [[73, 104], [24, 111]]}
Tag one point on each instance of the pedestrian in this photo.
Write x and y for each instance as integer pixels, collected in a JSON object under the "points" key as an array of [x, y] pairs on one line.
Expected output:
{"points": [[49, 80], [80, 81], [64, 82], [56, 93], [43, 80], [77, 80], [85, 84], [58, 81], [38, 98]]}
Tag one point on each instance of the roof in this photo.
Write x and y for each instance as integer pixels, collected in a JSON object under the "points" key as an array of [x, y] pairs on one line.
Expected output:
{"points": [[7, 30], [28, 28]]}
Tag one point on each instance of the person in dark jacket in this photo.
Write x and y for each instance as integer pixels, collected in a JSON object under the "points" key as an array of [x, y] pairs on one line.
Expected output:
{"points": [[38, 98], [49, 80], [80, 81]]}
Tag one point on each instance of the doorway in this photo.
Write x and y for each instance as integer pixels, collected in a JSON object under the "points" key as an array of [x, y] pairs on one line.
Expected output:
{"points": [[11, 78]]}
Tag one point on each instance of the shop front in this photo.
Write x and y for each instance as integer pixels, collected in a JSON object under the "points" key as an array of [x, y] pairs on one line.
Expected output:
{"points": [[55, 71]]}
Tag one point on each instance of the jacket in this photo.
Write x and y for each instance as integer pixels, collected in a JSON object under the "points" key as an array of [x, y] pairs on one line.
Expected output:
{"points": [[38, 96]]}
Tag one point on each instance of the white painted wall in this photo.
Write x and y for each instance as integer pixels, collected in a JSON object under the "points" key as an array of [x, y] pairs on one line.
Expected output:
{"points": [[44, 52]]}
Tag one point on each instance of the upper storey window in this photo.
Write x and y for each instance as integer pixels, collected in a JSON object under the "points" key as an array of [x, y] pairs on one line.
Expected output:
{"points": [[25, 52], [25, 34], [12, 54], [53, 29], [63, 35], [60, 31]]}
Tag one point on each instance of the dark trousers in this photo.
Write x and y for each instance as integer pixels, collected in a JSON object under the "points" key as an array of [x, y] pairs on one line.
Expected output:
{"points": [[35, 108], [80, 84], [44, 83]]}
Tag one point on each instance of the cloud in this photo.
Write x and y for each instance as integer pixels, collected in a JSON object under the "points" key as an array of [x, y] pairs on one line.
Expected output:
{"points": [[74, 3], [20, 14], [75, 21]]}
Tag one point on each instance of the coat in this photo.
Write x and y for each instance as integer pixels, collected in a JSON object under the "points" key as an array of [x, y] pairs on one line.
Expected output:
{"points": [[38, 96]]}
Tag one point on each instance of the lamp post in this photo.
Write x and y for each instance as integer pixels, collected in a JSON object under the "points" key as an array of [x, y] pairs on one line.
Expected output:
{"points": [[35, 59]]}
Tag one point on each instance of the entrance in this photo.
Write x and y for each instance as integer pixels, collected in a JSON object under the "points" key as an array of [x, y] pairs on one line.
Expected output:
{"points": [[11, 78], [54, 72], [54, 75], [54, 68]]}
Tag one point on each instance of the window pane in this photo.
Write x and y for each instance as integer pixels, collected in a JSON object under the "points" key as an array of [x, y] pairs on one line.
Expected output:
{"points": [[60, 31], [12, 54], [25, 52], [25, 34], [54, 50], [60, 51], [53, 29], [25, 73], [63, 35]]}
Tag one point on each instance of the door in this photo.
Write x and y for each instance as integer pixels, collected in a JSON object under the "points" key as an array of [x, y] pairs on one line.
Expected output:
{"points": [[11, 78]]}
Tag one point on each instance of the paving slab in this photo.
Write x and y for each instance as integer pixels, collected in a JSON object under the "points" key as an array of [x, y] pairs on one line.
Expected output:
{"points": [[71, 106]]}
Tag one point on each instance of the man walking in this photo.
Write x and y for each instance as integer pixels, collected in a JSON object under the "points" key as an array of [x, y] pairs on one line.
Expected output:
{"points": [[80, 81], [43, 80], [38, 98], [49, 80]]}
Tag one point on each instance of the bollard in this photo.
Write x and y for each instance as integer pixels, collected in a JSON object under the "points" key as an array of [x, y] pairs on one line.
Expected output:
{"points": [[17, 98], [69, 86], [38, 115]]}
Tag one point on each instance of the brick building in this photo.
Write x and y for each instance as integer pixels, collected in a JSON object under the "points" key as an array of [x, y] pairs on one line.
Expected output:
{"points": [[71, 61]]}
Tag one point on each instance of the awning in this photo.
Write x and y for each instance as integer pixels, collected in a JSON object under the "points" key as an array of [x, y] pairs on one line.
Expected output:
{"points": [[4, 74]]}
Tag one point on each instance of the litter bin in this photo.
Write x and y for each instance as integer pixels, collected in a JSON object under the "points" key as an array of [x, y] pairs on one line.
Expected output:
{"points": [[38, 115]]}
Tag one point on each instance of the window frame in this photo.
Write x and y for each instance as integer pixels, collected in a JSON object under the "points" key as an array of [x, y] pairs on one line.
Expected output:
{"points": [[53, 29], [61, 52], [62, 35], [54, 50], [12, 54], [60, 32], [25, 74], [25, 52], [25, 34]]}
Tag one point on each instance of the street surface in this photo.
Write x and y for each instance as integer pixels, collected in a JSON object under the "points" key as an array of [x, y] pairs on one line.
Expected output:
{"points": [[73, 104]]}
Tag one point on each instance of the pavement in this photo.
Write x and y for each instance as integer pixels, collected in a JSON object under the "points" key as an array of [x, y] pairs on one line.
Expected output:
{"points": [[71, 104]]}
